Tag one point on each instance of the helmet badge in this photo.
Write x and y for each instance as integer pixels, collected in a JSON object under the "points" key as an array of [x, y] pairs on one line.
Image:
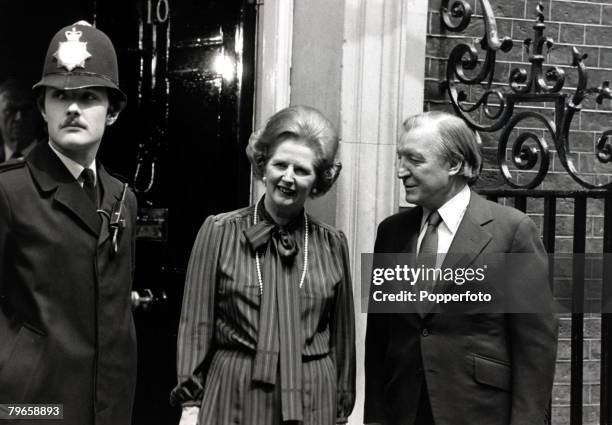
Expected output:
{"points": [[72, 53]]}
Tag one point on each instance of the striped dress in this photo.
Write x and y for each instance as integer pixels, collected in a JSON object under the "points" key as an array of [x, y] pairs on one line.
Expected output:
{"points": [[220, 325]]}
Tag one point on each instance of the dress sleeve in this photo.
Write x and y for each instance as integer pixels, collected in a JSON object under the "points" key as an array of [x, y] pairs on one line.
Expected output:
{"points": [[196, 326], [343, 338]]}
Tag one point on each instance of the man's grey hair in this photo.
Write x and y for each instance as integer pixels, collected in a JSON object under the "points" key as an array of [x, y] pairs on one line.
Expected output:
{"points": [[457, 142]]}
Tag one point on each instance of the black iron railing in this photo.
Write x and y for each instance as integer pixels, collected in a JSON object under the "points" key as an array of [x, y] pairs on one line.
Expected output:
{"points": [[518, 198], [494, 108]]}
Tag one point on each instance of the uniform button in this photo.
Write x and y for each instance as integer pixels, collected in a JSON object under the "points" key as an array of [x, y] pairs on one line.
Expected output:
{"points": [[419, 371], [425, 332]]}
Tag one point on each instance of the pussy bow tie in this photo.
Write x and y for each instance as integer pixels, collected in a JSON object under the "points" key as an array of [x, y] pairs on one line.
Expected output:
{"points": [[260, 234]]}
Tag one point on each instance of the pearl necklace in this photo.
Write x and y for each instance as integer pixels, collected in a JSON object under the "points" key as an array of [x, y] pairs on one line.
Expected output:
{"points": [[257, 262]]}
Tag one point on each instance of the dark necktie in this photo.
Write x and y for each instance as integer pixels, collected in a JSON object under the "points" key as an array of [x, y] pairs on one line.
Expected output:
{"points": [[89, 185], [16, 155], [429, 244], [428, 254]]}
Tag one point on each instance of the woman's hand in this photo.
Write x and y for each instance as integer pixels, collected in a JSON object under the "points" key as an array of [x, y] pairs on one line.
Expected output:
{"points": [[189, 415]]}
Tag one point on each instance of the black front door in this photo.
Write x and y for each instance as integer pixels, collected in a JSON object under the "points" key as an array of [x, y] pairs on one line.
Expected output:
{"points": [[187, 69]]}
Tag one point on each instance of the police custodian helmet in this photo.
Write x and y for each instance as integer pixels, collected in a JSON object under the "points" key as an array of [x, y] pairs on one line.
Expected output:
{"points": [[80, 56]]}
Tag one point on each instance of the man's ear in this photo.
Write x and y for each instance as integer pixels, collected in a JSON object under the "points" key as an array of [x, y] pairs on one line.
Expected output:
{"points": [[111, 117], [455, 166]]}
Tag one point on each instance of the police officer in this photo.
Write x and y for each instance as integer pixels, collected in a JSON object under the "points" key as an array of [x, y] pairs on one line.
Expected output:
{"points": [[66, 247]]}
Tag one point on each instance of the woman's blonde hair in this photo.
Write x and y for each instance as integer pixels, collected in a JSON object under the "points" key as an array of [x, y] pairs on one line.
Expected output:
{"points": [[306, 125]]}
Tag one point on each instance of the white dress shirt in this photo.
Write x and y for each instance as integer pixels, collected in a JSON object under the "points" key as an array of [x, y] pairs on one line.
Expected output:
{"points": [[8, 152], [74, 167], [451, 213]]}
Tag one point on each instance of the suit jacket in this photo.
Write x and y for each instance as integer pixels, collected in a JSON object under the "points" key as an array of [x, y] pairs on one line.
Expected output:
{"points": [[489, 369], [65, 320], [23, 150]]}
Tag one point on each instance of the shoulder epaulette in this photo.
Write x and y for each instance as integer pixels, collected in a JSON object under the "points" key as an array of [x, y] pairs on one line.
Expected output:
{"points": [[12, 164]]}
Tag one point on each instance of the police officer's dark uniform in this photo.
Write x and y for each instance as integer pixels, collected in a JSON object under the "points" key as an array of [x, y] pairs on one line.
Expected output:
{"points": [[66, 329]]}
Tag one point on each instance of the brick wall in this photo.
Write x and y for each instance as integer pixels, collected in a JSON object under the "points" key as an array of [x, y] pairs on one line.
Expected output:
{"points": [[588, 26]]}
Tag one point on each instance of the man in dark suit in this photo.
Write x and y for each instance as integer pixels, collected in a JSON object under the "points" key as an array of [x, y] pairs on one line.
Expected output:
{"points": [[67, 248], [491, 368], [20, 122]]}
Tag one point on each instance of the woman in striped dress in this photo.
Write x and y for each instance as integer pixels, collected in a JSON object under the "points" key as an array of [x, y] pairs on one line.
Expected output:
{"points": [[267, 328]]}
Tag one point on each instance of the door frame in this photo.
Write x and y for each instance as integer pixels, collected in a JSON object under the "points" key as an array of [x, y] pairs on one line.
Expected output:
{"points": [[273, 49]]}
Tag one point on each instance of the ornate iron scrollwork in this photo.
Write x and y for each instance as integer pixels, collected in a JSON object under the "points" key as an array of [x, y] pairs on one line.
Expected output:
{"points": [[495, 107]]}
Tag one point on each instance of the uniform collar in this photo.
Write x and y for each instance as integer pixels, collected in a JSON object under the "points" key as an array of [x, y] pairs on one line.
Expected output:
{"points": [[74, 167]]}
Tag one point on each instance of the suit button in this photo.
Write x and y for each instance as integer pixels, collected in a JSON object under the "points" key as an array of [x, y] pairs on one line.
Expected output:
{"points": [[425, 332], [419, 371]]}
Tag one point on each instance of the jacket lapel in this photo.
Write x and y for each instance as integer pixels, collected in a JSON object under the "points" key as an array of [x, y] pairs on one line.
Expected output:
{"points": [[471, 237], [470, 240], [50, 174], [111, 192], [411, 228]]}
